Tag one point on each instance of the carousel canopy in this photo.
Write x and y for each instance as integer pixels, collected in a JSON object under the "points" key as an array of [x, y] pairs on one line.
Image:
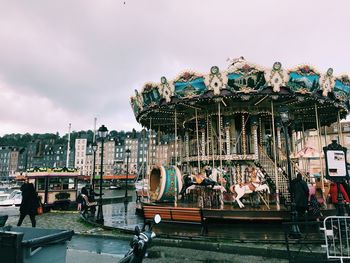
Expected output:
{"points": [[244, 88]]}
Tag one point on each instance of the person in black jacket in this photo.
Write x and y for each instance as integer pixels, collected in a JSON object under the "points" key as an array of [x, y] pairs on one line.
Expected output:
{"points": [[300, 190], [29, 204]]}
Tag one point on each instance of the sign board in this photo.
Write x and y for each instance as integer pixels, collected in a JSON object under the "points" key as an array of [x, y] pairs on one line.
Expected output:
{"points": [[336, 164]]}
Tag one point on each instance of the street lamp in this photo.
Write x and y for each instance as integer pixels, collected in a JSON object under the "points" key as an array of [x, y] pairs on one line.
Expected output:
{"points": [[127, 152], [102, 133], [94, 149], [286, 117]]}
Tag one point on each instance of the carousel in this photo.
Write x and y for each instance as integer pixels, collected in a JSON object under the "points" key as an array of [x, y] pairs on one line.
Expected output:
{"points": [[234, 132]]}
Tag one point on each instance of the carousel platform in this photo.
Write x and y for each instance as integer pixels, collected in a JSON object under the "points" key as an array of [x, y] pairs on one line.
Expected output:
{"points": [[231, 213]]}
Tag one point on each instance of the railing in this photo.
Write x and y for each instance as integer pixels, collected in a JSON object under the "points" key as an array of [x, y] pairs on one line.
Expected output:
{"points": [[224, 157], [337, 237], [269, 165], [294, 166]]}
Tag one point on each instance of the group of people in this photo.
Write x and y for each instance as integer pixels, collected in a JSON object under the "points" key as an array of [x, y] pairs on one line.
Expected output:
{"points": [[31, 201], [306, 199]]}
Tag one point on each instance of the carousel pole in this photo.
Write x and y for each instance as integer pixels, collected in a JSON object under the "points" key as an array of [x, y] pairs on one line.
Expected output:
{"points": [[244, 146], [203, 143], [149, 144], [303, 134], [293, 141], [212, 142], [260, 132], [197, 135], [275, 157], [208, 157], [228, 139], [320, 150], [187, 149], [143, 135], [148, 156], [158, 135], [254, 129], [175, 178], [340, 132], [220, 142]]}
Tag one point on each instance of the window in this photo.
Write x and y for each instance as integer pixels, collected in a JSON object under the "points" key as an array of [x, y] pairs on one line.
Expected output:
{"points": [[41, 184], [61, 183]]}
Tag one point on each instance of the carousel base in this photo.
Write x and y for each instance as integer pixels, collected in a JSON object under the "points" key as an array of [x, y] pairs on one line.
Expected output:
{"points": [[230, 212]]}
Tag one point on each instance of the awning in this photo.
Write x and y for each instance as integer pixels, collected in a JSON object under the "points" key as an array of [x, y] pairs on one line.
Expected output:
{"points": [[307, 152]]}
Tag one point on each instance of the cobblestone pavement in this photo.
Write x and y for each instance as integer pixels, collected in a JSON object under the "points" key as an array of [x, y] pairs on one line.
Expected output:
{"points": [[180, 255], [71, 220]]}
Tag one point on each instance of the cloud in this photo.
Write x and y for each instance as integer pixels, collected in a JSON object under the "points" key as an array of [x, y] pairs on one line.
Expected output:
{"points": [[82, 60]]}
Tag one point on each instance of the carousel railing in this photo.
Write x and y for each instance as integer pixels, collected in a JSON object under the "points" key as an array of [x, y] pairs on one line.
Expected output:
{"points": [[282, 162], [224, 157], [294, 165], [269, 166]]}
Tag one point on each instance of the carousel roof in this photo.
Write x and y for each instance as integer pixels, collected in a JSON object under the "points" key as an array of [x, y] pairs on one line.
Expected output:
{"points": [[244, 88]]}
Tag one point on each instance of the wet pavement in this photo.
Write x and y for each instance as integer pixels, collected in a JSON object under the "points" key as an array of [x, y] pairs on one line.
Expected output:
{"points": [[223, 244], [93, 244]]}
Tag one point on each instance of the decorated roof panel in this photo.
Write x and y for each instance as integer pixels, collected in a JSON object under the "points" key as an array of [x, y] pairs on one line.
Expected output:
{"points": [[242, 85]]}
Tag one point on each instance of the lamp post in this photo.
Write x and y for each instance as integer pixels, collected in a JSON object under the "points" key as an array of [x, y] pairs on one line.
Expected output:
{"points": [[286, 117], [94, 149], [127, 152], [102, 133]]}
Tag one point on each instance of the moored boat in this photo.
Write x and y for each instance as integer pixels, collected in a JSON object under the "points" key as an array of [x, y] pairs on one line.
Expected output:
{"points": [[12, 199]]}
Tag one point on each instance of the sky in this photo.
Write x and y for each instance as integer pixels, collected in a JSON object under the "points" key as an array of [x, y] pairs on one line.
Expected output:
{"points": [[70, 61]]}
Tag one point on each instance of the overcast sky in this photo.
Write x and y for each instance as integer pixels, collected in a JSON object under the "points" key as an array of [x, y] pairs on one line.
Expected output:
{"points": [[67, 62]]}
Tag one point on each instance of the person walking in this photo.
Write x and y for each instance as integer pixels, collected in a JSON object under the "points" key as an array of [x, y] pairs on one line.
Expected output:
{"points": [[91, 196], [300, 191], [315, 208], [29, 204], [333, 192]]}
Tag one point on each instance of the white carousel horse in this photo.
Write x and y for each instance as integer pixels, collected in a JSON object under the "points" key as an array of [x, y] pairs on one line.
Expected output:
{"points": [[217, 176], [249, 188]]}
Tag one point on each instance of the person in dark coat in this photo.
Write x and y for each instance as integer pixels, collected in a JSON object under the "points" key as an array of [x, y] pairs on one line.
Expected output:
{"points": [[29, 204], [300, 190], [91, 196]]}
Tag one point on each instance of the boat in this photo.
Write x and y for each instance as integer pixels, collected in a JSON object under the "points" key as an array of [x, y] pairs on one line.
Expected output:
{"points": [[115, 187], [4, 196], [12, 199], [142, 184]]}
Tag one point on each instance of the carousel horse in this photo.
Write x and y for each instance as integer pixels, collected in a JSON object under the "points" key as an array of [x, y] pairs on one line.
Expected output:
{"points": [[241, 190], [188, 182], [217, 176], [206, 181]]}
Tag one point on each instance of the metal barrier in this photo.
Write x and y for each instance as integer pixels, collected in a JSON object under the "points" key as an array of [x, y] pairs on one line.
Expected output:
{"points": [[337, 237]]}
